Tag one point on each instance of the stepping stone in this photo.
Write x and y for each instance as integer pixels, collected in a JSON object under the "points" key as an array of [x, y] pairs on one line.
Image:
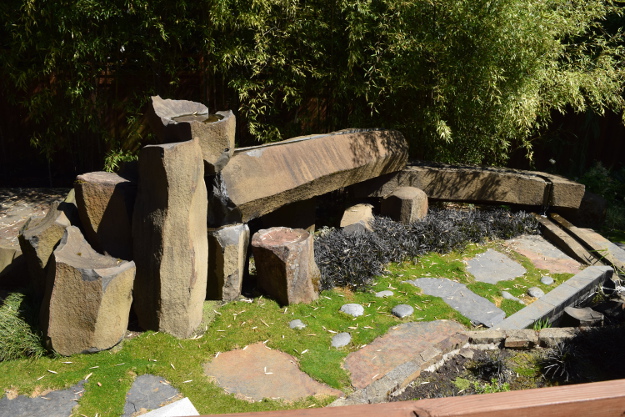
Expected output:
{"points": [[507, 296], [477, 309], [535, 292], [297, 324], [341, 339], [384, 294], [180, 408], [257, 372], [399, 345], [492, 267], [53, 404], [149, 392], [402, 310], [544, 255], [354, 310]]}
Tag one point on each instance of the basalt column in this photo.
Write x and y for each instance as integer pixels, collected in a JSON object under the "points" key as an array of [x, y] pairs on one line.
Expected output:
{"points": [[170, 238]]}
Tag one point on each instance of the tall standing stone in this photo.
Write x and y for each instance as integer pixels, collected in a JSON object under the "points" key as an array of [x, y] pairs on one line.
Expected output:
{"points": [[285, 264], [105, 202], [170, 238], [39, 237], [88, 298], [227, 253]]}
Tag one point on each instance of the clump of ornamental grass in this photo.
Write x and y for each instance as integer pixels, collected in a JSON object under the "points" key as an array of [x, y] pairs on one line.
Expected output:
{"points": [[18, 337], [353, 260]]}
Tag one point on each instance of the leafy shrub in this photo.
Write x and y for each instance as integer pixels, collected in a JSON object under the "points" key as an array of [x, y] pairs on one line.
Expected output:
{"points": [[18, 338], [347, 260]]}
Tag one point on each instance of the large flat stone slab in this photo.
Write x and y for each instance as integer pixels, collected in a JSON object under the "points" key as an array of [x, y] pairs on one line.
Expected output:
{"points": [[256, 372], [544, 255], [400, 345], [149, 392], [260, 179], [477, 309], [492, 267], [58, 403], [479, 184]]}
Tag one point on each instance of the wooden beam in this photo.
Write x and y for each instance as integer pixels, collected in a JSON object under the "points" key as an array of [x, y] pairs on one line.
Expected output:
{"points": [[598, 399]]}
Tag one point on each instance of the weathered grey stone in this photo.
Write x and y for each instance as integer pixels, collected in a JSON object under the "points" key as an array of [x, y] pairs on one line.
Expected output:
{"points": [[297, 324], [88, 297], [384, 294], [402, 310], [547, 280], [477, 309], [535, 292], [285, 264], [361, 214], [182, 120], [227, 254], [586, 316], [260, 179], [507, 296], [39, 237], [601, 247], [492, 267], [341, 339], [170, 238], [354, 310], [478, 184], [105, 203], [405, 204], [552, 336]]}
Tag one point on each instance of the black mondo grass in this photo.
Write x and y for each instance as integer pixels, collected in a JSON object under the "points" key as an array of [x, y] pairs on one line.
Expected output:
{"points": [[353, 260]]}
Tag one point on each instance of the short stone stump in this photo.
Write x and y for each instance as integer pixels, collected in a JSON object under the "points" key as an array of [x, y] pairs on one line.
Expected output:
{"points": [[406, 205], [285, 264]]}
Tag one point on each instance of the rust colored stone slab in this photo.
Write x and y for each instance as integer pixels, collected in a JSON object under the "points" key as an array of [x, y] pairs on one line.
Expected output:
{"points": [[260, 179], [257, 372], [401, 344], [543, 255]]}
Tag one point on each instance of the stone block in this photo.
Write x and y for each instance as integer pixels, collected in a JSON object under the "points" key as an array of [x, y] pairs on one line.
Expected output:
{"points": [[88, 298], [285, 264], [105, 203], [521, 339], [405, 205], [39, 237], [260, 179], [552, 336], [227, 255], [183, 120], [478, 184], [358, 214], [170, 238]]}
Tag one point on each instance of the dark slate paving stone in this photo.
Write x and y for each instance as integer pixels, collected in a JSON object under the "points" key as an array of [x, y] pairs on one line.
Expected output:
{"points": [[54, 404], [492, 267], [149, 392], [477, 309]]}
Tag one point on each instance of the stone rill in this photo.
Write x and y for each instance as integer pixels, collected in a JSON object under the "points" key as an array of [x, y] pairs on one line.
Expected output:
{"points": [[285, 264], [170, 238], [105, 202], [97, 286]]}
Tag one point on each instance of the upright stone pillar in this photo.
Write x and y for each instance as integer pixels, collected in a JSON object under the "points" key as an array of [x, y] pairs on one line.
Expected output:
{"points": [[285, 264], [170, 238], [227, 253]]}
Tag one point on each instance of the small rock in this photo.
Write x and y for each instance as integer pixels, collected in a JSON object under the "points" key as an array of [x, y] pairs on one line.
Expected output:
{"points": [[353, 309], [297, 324], [507, 296], [341, 339], [467, 353], [402, 310], [547, 280], [535, 292], [384, 294]]}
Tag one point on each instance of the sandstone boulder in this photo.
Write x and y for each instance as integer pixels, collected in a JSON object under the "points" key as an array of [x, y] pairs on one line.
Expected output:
{"points": [[105, 202], [170, 238], [260, 179], [405, 205], [182, 120], [358, 214], [227, 254], [39, 237], [87, 302], [285, 264]]}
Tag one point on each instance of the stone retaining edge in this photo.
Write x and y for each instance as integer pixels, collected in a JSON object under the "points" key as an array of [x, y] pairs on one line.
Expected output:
{"points": [[396, 380]]}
